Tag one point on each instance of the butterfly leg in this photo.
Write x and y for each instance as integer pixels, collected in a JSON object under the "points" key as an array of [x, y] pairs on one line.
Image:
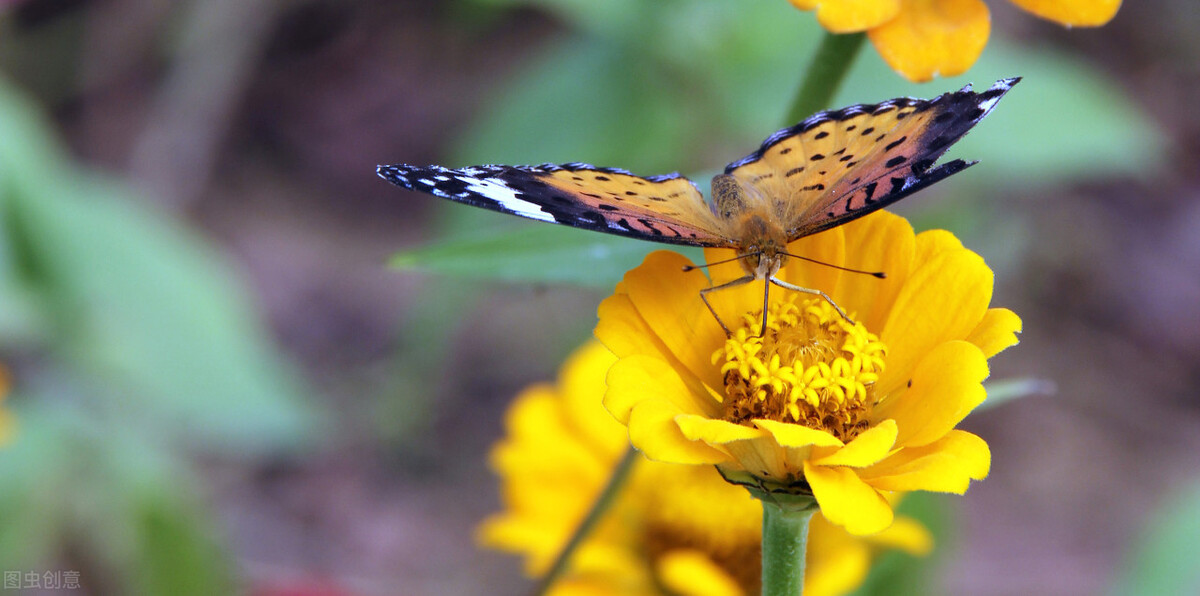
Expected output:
{"points": [[786, 285], [730, 284]]}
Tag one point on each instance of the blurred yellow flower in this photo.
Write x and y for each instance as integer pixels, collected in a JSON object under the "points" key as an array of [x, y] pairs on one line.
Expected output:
{"points": [[846, 412], [922, 39], [674, 527]]}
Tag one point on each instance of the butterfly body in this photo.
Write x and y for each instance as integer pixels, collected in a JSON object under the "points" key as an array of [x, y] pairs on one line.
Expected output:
{"points": [[833, 167]]}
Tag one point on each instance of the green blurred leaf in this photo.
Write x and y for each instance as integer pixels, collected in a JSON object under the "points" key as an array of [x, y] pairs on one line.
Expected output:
{"points": [[534, 252], [1000, 392], [1163, 561], [586, 99], [121, 511], [1066, 120], [136, 302], [897, 573]]}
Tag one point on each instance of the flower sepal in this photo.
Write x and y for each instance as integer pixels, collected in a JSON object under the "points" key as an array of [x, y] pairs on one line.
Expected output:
{"points": [[794, 496]]}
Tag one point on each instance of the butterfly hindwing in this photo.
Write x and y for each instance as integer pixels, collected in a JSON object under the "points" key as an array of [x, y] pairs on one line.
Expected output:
{"points": [[661, 208], [840, 165]]}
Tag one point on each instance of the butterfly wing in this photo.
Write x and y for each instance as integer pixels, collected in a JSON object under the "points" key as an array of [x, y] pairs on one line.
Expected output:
{"points": [[840, 165], [660, 208]]}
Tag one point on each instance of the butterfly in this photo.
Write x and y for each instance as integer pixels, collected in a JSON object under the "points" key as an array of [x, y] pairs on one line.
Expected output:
{"points": [[833, 167]]}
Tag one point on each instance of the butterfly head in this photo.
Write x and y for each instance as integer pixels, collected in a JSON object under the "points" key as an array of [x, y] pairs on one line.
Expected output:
{"points": [[763, 248]]}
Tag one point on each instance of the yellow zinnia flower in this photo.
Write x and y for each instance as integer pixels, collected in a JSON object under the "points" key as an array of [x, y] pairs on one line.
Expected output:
{"points": [[846, 412], [674, 527], [922, 39]]}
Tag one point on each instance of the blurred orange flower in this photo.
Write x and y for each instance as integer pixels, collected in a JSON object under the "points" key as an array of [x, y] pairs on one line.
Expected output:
{"points": [[922, 39]]}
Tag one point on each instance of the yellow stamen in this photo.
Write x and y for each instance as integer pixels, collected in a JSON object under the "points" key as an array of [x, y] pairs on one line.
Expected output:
{"points": [[812, 367]]}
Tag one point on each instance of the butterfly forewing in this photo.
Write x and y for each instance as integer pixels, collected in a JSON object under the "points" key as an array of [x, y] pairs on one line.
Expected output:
{"points": [[661, 208], [840, 165]]}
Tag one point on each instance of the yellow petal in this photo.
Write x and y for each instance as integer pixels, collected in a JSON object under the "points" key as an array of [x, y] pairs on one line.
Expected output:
{"points": [[690, 572], [805, 4], [653, 430], [998, 330], [750, 449], [796, 435], [883, 242], [838, 569], [715, 431], [847, 501], [640, 378], [866, 449], [1073, 13], [853, 16], [931, 38], [945, 298], [729, 269], [947, 465], [932, 243], [731, 302], [669, 301], [906, 534], [828, 247], [946, 386], [581, 385]]}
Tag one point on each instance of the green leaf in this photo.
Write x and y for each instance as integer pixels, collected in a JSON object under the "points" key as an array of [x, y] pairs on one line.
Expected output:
{"points": [[1066, 119], [1000, 392], [137, 304], [896, 573], [119, 506], [582, 100], [1164, 560], [534, 252]]}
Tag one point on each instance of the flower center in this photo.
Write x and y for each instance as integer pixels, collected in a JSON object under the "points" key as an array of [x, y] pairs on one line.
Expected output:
{"points": [[811, 367]]}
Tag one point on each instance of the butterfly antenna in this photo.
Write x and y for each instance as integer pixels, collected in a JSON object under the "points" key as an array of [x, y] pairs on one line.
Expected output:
{"points": [[877, 274], [687, 268]]}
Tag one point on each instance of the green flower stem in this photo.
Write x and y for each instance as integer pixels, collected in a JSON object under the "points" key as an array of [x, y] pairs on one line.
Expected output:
{"points": [[785, 540], [605, 500], [825, 74]]}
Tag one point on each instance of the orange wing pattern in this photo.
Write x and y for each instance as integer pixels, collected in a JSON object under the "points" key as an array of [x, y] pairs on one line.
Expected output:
{"points": [[831, 168], [661, 208], [840, 165]]}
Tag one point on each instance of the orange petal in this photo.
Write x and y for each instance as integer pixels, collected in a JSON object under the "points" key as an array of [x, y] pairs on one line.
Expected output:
{"points": [[944, 299], [931, 38], [853, 16], [847, 501], [946, 386], [947, 465], [866, 449], [998, 330], [1073, 13], [652, 429]]}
